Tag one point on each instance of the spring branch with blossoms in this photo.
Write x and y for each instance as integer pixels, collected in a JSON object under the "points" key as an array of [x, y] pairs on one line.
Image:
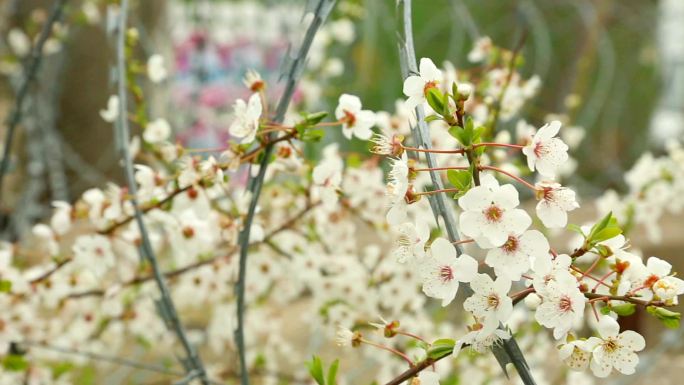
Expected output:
{"points": [[259, 262]]}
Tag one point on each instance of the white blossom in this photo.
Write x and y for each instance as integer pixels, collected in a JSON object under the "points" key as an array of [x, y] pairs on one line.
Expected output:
{"points": [[575, 354], [514, 258], [614, 350], [246, 118], [489, 213], [156, 70], [554, 203], [545, 153], [416, 86], [157, 131], [443, 270], [411, 241], [490, 301], [356, 121], [112, 112], [562, 305]]}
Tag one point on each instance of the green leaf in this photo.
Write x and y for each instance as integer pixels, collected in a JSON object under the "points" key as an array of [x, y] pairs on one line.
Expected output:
{"points": [[5, 286], [312, 135], [434, 98], [669, 318], [15, 363], [332, 373], [441, 348], [316, 370], [315, 118], [600, 225], [461, 179], [624, 309], [458, 133], [607, 233], [432, 118], [575, 228]]}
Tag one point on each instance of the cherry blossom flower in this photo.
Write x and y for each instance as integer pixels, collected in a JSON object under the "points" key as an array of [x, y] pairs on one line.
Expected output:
{"points": [[327, 176], [344, 336], [575, 354], [490, 215], [355, 120], [247, 116], [253, 81], [545, 153], [480, 340], [93, 252], [443, 270], [614, 350], [157, 131], [416, 86], [513, 258], [654, 278], [156, 70], [397, 186], [387, 145], [411, 241], [112, 112], [554, 203], [481, 49], [547, 270], [562, 305], [490, 301]]}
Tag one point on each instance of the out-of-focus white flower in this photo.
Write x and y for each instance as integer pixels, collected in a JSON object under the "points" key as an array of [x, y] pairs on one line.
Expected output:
{"points": [[157, 131], [112, 112], [481, 49], [19, 42], [342, 30], [355, 120], [156, 70], [253, 81], [246, 119]]}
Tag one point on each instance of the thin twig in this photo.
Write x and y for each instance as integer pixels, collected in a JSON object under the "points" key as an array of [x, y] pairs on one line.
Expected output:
{"points": [[192, 361], [320, 13]]}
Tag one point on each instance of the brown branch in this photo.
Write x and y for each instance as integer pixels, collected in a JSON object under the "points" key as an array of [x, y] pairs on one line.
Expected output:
{"points": [[174, 273]]}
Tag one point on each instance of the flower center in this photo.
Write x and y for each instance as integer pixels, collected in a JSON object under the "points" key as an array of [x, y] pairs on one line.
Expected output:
{"points": [[511, 245], [540, 149], [493, 213], [610, 345], [446, 274], [349, 118], [428, 85], [493, 301], [565, 304], [651, 280]]}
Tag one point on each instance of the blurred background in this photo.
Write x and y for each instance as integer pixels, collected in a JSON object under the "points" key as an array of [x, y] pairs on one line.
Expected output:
{"points": [[613, 67]]}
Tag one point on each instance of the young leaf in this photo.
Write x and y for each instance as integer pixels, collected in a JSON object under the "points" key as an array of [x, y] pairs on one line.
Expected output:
{"points": [[434, 98], [461, 179], [316, 370], [669, 318], [332, 373], [5, 286], [441, 348]]}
